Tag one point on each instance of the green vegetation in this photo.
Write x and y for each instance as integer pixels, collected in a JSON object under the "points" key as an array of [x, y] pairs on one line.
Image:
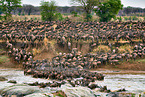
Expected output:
{"points": [[132, 95], [75, 14], [4, 59], [126, 18], [1, 49], [60, 95], [130, 18], [119, 18], [134, 18], [87, 6], [59, 16], [108, 10], [0, 11], [48, 10], [141, 60], [7, 6]]}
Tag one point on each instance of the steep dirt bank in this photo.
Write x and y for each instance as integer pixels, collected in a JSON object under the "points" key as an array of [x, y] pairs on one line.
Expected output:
{"points": [[136, 67], [9, 63], [52, 51]]}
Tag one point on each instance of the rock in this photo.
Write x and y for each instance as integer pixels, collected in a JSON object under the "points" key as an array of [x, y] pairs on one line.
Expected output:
{"points": [[100, 94], [120, 90], [93, 86], [19, 90], [113, 94], [103, 89], [33, 84], [12, 81], [54, 84], [78, 92], [66, 86], [2, 78]]}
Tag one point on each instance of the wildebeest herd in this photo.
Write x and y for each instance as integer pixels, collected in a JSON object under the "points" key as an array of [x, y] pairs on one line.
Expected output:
{"points": [[73, 64]]}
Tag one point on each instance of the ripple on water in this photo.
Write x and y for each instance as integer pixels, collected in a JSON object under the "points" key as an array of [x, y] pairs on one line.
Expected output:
{"points": [[132, 83], [18, 76]]}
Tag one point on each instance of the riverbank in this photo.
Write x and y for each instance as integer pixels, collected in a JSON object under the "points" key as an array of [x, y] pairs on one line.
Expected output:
{"points": [[131, 66], [8, 63]]}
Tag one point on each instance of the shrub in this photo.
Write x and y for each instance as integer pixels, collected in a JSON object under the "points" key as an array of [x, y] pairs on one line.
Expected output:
{"points": [[134, 18], [119, 18], [26, 18], [130, 18], [126, 18], [59, 16], [75, 14], [48, 10]]}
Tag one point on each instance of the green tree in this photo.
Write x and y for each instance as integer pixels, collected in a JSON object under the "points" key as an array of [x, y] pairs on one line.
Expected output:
{"points": [[48, 10], [8, 6], [108, 10], [0, 11], [88, 6], [74, 13], [59, 16], [0, 14]]}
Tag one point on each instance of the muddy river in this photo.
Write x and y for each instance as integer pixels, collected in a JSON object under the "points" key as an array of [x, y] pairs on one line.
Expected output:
{"points": [[131, 82]]}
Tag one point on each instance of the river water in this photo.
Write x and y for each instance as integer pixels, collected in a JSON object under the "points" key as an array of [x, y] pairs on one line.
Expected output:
{"points": [[17, 75], [132, 83]]}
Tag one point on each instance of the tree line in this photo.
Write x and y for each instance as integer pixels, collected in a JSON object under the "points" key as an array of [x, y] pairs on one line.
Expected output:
{"points": [[28, 9], [105, 9]]}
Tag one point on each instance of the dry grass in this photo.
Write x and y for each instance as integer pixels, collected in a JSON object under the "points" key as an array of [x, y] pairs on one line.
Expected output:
{"points": [[26, 17], [75, 19], [47, 51], [52, 42], [125, 49], [54, 26], [137, 40], [123, 41], [45, 41], [102, 48], [36, 51]]}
